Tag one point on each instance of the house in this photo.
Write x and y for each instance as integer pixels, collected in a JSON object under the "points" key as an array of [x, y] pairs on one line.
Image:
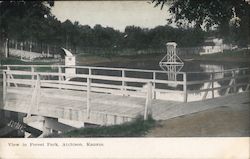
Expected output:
{"points": [[212, 45]]}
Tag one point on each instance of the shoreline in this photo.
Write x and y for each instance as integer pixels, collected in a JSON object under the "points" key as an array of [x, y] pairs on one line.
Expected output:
{"points": [[94, 60]]}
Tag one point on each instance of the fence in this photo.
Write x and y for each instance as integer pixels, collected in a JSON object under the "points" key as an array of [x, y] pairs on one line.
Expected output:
{"points": [[219, 83], [132, 82], [33, 47], [1, 74], [87, 79]]}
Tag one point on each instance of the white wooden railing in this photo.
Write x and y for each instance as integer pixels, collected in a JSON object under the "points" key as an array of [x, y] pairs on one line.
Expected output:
{"points": [[1, 74], [128, 82], [230, 81], [92, 79], [119, 75]]}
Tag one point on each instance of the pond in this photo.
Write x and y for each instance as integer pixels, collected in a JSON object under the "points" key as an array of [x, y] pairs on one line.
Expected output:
{"points": [[150, 64], [191, 67]]}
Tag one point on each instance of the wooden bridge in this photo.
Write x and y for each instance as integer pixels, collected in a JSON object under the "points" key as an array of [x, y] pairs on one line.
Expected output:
{"points": [[107, 96]]}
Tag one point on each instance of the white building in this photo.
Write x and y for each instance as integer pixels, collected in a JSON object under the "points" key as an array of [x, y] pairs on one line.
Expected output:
{"points": [[212, 45]]}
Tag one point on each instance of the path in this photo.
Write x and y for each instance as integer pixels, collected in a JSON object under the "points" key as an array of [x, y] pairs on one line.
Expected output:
{"points": [[231, 120]]}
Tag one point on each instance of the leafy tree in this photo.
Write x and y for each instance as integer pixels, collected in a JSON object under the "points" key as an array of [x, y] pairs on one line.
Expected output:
{"points": [[18, 17], [205, 12], [136, 37], [210, 13]]}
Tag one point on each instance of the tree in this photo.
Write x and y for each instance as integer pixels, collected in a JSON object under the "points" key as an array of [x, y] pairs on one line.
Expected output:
{"points": [[18, 18], [136, 37], [209, 13], [205, 12]]}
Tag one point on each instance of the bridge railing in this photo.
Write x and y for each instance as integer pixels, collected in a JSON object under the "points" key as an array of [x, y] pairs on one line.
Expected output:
{"points": [[121, 81], [125, 82], [132, 82], [219, 83], [1, 74]]}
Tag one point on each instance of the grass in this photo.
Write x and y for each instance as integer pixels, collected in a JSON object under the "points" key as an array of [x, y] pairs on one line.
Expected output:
{"points": [[231, 56], [135, 128], [16, 61], [230, 53]]}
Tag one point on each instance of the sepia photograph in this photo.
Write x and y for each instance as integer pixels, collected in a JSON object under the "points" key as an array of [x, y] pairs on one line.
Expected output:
{"points": [[153, 69]]}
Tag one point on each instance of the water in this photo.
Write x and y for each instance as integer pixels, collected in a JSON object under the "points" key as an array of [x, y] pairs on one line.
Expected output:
{"points": [[190, 67], [150, 64]]}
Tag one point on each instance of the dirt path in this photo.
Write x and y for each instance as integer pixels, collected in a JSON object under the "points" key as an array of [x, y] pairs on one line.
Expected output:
{"points": [[218, 122]]}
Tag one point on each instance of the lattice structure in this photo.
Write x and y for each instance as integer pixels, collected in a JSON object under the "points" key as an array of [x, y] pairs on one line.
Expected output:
{"points": [[171, 62]]}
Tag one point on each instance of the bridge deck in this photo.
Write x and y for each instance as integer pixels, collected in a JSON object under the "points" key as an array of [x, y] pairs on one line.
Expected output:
{"points": [[72, 105], [107, 108]]}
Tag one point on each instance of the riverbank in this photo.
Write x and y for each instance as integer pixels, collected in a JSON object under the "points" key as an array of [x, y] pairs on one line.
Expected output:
{"points": [[93, 60], [18, 61], [240, 56]]}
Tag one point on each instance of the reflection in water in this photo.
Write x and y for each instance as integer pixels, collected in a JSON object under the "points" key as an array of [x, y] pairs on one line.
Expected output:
{"points": [[191, 67]]}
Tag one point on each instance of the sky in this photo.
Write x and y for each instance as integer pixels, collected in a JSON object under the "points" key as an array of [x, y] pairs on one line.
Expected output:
{"points": [[116, 14]]}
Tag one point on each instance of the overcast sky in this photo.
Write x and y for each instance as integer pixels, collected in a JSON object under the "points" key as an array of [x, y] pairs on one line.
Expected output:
{"points": [[116, 14]]}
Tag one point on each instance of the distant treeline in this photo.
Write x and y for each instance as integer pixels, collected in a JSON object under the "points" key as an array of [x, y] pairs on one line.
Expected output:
{"points": [[32, 22]]}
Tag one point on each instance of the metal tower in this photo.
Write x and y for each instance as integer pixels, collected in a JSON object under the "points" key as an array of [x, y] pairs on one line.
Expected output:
{"points": [[171, 62]]}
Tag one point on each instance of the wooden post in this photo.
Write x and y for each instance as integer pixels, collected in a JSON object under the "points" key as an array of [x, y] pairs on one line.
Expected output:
{"points": [[32, 76], [231, 83], [38, 86], [48, 51], [4, 87], [212, 78], [21, 45], [154, 78], [234, 81], [60, 72], [248, 85], [148, 105], [46, 130], [88, 96], [123, 83], [90, 71], [30, 46], [185, 87], [60, 77], [11, 77], [8, 76], [6, 48], [16, 45]]}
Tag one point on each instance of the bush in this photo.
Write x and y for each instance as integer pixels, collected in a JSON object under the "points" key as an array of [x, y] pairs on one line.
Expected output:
{"points": [[136, 128]]}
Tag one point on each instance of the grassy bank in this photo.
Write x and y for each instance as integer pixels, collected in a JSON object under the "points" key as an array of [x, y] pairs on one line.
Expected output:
{"points": [[17, 61], [136, 128], [89, 59], [227, 56]]}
